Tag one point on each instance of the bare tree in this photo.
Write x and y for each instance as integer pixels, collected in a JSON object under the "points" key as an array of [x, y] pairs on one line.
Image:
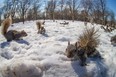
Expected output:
{"points": [[9, 8], [62, 2], [51, 6], [87, 5], [23, 6], [99, 9], [103, 9], [110, 19], [73, 6], [53, 9], [36, 6], [6, 8]]}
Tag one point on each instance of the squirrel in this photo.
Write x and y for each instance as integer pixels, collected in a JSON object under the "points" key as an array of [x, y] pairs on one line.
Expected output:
{"points": [[11, 34], [40, 28], [73, 51], [85, 46]]}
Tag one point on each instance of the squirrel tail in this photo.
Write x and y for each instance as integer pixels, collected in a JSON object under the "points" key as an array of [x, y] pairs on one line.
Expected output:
{"points": [[5, 25]]}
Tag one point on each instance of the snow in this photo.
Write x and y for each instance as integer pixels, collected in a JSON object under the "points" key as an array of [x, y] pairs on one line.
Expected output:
{"points": [[44, 55]]}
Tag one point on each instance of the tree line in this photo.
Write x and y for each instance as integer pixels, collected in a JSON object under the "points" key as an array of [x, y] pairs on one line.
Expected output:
{"points": [[76, 10]]}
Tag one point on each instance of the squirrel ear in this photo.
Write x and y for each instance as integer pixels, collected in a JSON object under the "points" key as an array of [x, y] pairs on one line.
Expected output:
{"points": [[68, 42], [76, 44]]}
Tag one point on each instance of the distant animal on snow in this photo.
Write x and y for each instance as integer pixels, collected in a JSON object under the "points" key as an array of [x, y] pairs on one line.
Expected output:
{"points": [[40, 27], [65, 23]]}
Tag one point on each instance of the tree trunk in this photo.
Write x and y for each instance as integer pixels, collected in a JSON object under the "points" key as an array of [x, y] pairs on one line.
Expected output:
{"points": [[53, 17], [23, 18]]}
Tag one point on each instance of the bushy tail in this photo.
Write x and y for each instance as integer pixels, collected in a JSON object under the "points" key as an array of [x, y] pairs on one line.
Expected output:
{"points": [[5, 25], [38, 23], [89, 38]]}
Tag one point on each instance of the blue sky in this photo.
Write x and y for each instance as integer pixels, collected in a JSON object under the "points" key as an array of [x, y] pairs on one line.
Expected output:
{"points": [[112, 5], [1, 1]]}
